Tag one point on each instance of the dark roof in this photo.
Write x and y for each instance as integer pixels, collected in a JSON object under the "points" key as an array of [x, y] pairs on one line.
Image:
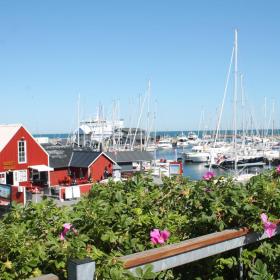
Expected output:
{"points": [[64, 156], [126, 167], [83, 158], [59, 155], [116, 167], [130, 156]]}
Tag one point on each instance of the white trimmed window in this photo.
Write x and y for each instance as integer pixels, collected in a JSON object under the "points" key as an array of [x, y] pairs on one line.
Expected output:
{"points": [[21, 151], [2, 177]]}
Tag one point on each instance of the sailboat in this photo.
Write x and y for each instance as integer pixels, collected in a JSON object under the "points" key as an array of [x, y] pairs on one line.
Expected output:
{"points": [[182, 140], [239, 156]]}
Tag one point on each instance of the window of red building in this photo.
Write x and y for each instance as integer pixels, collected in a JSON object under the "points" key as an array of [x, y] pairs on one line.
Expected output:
{"points": [[21, 151]]}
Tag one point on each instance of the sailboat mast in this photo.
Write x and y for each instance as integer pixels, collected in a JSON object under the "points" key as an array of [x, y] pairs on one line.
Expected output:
{"points": [[243, 110], [273, 109], [148, 131], [235, 98], [265, 116], [224, 97], [155, 126], [79, 120]]}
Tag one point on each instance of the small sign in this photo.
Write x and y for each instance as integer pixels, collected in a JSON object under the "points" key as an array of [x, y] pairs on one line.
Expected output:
{"points": [[5, 195], [9, 165], [76, 191], [68, 193], [2, 177], [174, 169], [5, 191]]}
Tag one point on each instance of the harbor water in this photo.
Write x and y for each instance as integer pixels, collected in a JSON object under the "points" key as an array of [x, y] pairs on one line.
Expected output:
{"points": [[194, 171]]}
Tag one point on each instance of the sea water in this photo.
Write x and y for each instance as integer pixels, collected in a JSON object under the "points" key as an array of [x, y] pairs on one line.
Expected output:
{"points": [[194, 171]]}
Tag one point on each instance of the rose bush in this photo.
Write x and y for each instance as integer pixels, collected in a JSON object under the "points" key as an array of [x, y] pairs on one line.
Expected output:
{"points": [[127, 217]]}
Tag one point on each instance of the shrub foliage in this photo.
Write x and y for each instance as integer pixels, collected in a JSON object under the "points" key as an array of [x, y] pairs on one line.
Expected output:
{"points": [[116, 219]]}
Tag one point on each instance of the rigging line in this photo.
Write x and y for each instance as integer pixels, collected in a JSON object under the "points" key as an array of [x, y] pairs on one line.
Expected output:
{"points": [[223, 102], [224, 97]]}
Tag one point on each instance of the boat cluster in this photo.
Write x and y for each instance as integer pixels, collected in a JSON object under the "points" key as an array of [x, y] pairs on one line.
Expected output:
{"points": [[228, 154], [181, 141]]}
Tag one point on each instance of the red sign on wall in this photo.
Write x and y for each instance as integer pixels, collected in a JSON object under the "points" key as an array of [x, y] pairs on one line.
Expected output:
{"points": [[9, 165]]}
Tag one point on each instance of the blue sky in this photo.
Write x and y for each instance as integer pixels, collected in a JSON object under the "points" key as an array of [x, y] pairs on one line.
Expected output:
{"points": [[107, 50]]}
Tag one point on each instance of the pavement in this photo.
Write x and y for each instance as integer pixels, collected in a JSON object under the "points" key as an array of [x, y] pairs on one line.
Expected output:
{"points": [[38, 197]]}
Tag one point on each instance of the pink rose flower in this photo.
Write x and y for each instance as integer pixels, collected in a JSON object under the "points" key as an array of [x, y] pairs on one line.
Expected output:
{"points": [[208, 176], [66, 228], [159, 237], [269, 227]]}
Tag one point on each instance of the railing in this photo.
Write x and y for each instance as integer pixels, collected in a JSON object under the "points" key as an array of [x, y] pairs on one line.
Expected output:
{"points": [[187, 251], [194, 249]]}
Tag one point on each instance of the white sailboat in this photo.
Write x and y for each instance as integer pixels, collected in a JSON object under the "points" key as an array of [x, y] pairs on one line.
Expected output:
{"points": [[165, 143], [182, 141], [235, 155]]}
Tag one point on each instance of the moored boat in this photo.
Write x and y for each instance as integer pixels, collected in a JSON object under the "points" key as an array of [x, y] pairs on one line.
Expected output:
{"points": [[165, 143]]}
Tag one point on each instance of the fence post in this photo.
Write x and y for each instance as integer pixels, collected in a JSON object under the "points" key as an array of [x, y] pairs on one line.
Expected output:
{"points": [[240, 263], [81, 269]]}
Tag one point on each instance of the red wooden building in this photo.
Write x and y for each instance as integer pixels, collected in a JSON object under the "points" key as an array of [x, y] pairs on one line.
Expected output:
{"points": [[23, 162], [77, 166], [89, 165], [59, 158]]}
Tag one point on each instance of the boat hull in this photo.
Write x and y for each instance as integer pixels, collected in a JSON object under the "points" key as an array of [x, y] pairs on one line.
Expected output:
{"points": [[230, 164]]}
